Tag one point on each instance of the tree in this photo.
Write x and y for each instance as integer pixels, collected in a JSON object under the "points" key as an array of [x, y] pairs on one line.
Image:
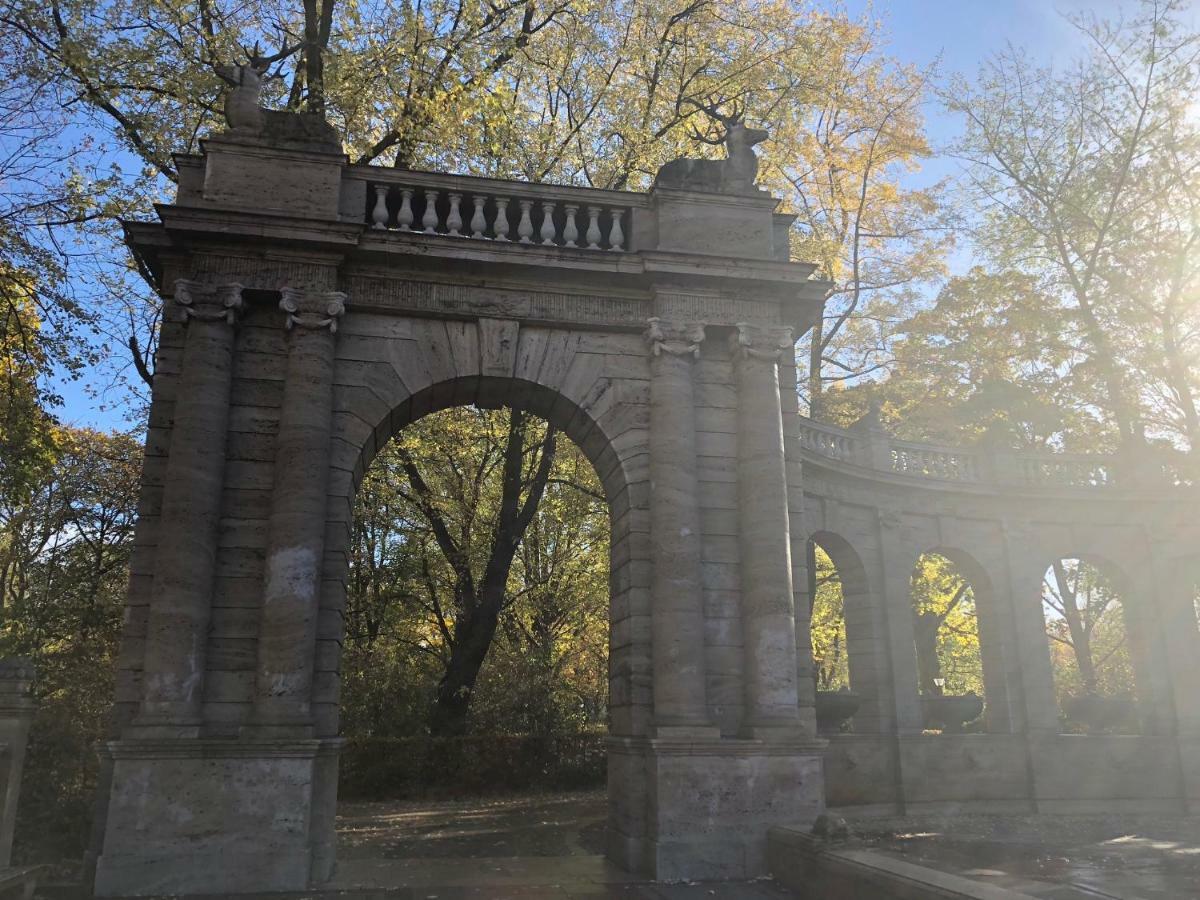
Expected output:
{"points": [[945, 629], [65, 572], [828, 617], [1084, 177], [480, 533], [985, 363], [871, 232], [1085, 618]]}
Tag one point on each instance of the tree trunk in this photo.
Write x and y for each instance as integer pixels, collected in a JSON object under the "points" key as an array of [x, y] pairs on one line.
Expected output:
{"points": [[1081, 638], [929, 667], [478, 604], [815, 385]]}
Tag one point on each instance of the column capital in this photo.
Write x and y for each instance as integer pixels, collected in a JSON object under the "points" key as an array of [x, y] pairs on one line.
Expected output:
{"points": [[206, 302], [764, 343], [674, 338], [312, 309]]}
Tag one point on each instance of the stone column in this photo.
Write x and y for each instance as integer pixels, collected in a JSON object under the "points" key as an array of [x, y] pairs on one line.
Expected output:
{"points": [[803, 550], [296, 530], [1023, 589], [177, 629], [677, 597], [768, 607], [896, 563]]}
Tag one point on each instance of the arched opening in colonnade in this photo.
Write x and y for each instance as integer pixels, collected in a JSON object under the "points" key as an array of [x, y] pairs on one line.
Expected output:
{"points": [[945, 589], [1090, 629], [481, 586], [849, 665]]}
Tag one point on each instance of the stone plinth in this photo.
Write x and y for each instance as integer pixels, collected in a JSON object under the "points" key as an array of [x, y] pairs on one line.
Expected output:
{"points": [[684, 809], [725, 225], [214, 816]]}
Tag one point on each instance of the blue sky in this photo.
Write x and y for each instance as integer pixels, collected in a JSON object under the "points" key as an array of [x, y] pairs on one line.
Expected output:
{"points": [[961, 32]]}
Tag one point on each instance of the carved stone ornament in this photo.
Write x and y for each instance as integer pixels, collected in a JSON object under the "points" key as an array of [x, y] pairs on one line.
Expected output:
{"points": [[312, 309], [733, 175], [759, 342], [208, 302], [675, 338], [242, 109]]}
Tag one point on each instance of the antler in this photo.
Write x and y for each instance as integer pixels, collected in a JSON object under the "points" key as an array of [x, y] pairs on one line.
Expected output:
{"points": [[712, 109], [259, 61], [695, 134]]}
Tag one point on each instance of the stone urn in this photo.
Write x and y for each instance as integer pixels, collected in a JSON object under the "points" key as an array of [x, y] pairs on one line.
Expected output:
{"points": [[950, 712], [1096, 712], [835, 709]]}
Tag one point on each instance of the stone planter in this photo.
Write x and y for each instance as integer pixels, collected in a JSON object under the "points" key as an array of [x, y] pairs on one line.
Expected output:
{"points": [[1096, 712], [951, 711], [835, 709]]}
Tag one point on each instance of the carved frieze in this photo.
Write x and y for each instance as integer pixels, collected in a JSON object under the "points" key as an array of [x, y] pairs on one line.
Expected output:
{"points": [[263, 273]]}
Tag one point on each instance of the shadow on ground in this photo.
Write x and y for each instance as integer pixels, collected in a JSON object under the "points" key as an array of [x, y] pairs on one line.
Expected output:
{"points": [[549, 846]]}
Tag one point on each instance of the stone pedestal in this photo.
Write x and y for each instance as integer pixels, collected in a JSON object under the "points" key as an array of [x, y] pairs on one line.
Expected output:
{"points": [[215, 816], [700, 810]]}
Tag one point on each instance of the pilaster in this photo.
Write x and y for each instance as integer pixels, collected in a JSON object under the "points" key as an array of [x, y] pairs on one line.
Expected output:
{"points": [[296, 529], [677, 598], [764, 541], [185, 562]]}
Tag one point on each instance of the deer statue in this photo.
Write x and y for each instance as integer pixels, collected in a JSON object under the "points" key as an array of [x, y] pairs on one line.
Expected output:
{"points": [[733, 175], [243, 111]]}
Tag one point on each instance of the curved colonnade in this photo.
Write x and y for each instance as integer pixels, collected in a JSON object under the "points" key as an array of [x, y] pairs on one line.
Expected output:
{"points": [[875, 505]]}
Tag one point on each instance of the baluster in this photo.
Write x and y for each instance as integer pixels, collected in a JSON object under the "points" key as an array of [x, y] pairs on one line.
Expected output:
{"points": [[571, 230], [454, 219], [548, 230], [379, 215], [501, 225], [478, 219], [593, 229], [430, 219], [616, 237], [525, 226], [404, 218]]}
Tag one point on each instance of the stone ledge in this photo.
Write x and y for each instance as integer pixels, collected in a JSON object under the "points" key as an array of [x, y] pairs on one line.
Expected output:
{"points": [[215, 748], [720, 746], [815, 869]]}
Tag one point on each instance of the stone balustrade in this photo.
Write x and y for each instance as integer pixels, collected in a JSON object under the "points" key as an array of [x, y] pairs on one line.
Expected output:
{"points": [[830, 442], [1074, 470], [500, 211], [932, 461], [958, 465]]}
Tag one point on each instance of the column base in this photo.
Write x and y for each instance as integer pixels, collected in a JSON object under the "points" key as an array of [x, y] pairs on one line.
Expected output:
{"points": [[216, 817], [699, 809]]}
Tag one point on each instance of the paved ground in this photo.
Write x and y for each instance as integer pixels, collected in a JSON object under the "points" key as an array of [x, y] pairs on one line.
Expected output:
{"points": [[528, 848], [1129, 857]]}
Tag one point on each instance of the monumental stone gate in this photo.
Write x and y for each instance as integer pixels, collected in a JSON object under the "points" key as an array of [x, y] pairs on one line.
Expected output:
{"points": [[314, 309]]}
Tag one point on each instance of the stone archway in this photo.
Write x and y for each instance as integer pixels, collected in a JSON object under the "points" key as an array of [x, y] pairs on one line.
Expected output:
{"points": [[307, 322]]}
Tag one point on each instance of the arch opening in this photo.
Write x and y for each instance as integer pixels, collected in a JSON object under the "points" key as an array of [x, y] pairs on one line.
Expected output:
{"points": [[1092, 635], [848, 670], [462, 675], [945, 589]]}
